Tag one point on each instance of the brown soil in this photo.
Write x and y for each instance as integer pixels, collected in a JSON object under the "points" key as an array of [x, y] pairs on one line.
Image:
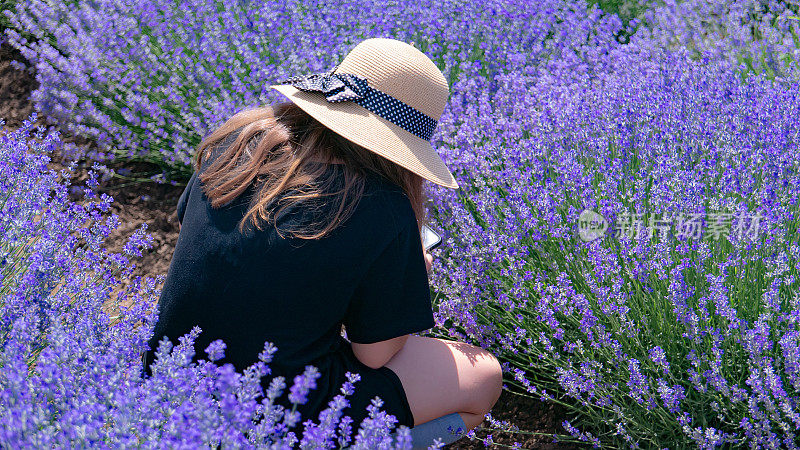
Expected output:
{"points": [[154, 204], [15, 86], [528, 414], [134, 203]]}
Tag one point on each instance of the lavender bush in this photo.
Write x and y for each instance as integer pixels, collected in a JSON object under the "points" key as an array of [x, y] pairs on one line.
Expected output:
{"points": [[147, 79], [5, 5], [71, 333], [761, 35], [683, 334]]}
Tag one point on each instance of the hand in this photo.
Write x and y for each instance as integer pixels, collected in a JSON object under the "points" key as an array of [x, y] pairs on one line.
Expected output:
{"points": [[428, 259]]}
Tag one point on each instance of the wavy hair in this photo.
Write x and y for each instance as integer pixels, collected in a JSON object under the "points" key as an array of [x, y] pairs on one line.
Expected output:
{"points": [[286, 152]]}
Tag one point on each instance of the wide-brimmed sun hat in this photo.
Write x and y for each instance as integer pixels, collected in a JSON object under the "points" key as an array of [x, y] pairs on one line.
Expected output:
{"points": [[385, 96]]}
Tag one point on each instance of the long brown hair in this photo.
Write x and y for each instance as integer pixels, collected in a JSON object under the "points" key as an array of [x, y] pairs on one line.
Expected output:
{"points": [[276, 148]]}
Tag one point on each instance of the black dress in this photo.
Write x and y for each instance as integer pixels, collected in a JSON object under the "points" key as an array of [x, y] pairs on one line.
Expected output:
{"points": [[245, 289]]}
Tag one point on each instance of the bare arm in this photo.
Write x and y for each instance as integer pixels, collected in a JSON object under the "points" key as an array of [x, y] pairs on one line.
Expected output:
{"points": [[377, 354]]}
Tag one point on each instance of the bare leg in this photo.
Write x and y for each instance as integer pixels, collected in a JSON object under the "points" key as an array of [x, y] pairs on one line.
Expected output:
{"points": [[442, 377]]}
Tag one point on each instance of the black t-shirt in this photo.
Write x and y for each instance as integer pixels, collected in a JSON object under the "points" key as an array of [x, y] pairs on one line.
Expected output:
{"points": [[245, 289]]}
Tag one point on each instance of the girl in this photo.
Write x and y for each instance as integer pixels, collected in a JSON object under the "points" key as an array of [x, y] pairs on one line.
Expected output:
{"points": [[305, 217]]}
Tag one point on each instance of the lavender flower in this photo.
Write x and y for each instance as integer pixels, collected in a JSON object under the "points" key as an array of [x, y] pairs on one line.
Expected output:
{"points": [[659, 357], [71, 354], [302, 384], [216, 350]]}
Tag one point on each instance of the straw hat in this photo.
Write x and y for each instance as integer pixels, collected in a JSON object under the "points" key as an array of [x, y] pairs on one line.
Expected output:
{"points": [[385, 96]]}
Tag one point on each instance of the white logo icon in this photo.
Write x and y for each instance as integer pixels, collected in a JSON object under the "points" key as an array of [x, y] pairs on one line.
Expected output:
{"points": [[591, 225]]}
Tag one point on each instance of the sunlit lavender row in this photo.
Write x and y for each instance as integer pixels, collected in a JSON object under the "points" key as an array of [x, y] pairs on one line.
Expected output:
{"points": [[71, 368], [678, 325], [149, 78]]}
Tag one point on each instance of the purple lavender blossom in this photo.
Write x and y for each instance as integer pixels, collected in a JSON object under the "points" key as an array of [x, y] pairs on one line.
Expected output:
{"points": [[216, 350], [72, 370], [302, 384], [659, 357]]}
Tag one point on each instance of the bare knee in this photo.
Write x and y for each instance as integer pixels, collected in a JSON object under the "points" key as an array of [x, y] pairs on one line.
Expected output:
{"points": [[441, 377], [496, 380], [493, 373], [482, 380], [490, 376]]}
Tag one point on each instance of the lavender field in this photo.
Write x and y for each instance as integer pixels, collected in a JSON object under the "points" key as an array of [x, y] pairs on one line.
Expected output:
{"points": [[625, 238]]}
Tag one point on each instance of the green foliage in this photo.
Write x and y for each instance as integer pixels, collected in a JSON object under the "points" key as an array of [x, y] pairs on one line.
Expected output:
{"points": [[5, 5], [625, 9]]}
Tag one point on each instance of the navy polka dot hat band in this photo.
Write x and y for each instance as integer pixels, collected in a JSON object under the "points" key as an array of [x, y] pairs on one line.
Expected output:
{"points": [[385, 96], [340, 87]]}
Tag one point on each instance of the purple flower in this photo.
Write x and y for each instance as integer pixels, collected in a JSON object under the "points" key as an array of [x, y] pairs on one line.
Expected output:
{"points": [[71, 353], [670, 395], [216, 350], [302, 384], [659, 357]]}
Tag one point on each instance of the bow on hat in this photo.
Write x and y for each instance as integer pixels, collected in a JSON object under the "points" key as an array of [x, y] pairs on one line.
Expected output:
{"points": [[337, 87]]}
